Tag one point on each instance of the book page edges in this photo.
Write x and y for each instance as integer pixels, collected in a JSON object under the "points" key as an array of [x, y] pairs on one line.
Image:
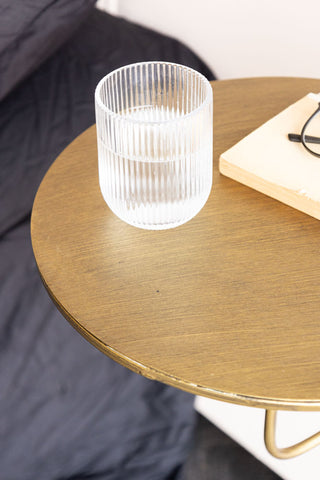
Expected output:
{"points": [[284, 195]]}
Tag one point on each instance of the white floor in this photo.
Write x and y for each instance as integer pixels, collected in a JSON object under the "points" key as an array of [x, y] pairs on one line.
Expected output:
{"points": [[246, 425]]}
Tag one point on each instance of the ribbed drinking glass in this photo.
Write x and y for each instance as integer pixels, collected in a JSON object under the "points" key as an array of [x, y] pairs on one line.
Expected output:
{"points": [[154, 130]]}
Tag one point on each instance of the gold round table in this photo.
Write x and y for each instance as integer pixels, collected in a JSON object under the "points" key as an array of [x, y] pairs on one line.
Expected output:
{"points": [[226, 306]]}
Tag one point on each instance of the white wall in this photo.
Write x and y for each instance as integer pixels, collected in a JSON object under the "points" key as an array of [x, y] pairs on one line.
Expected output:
{"points": [[238, 38]]}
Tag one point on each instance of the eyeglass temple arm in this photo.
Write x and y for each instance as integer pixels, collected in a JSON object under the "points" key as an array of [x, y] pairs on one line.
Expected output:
{"points": [[294, 137]]}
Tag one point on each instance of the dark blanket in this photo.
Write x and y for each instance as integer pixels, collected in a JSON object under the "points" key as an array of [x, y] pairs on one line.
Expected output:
{"points": [[66, 410]]}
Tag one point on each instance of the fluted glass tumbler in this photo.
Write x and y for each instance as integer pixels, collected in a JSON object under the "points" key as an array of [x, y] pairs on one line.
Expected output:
{"points": [[154, 130]]}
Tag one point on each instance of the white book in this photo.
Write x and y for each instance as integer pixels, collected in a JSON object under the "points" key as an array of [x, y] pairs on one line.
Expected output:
{"points": [[269, 162]]}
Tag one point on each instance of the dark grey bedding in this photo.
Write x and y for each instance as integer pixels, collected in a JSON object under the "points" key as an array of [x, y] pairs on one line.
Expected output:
{"points": [[66, 410]]}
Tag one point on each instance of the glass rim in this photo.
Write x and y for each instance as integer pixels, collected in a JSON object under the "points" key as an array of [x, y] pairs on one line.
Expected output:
{"points": [[102, 106]]}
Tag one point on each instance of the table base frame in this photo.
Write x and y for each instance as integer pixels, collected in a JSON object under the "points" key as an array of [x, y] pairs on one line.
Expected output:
{"points": [[288, 452]]}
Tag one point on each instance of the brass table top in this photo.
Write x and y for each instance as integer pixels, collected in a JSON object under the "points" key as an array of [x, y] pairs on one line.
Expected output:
{"points": [[226, 306]]}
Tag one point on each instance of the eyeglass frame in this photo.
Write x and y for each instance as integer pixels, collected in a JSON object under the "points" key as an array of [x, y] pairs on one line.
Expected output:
{"points": [[303, 138]]}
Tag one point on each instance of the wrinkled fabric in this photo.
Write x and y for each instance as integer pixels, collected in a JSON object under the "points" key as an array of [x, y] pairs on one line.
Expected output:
{"points": [[68, 412], [31, 30]]}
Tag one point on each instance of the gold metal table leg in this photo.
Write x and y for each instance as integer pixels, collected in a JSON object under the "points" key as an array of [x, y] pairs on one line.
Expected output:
{"points": [[288, 452]]}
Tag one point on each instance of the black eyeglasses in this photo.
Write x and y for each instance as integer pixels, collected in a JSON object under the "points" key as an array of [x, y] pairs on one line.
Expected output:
{"points": [[303, 138]]}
